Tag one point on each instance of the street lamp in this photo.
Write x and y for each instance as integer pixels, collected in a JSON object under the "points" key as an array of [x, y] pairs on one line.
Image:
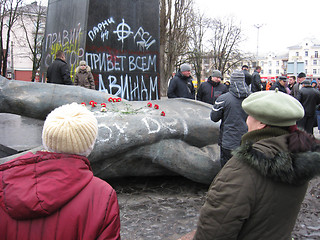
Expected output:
{"points": [[258, 26]]}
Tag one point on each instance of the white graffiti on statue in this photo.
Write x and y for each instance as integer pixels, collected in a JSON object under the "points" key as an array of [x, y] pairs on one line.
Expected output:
{"points": [[130, 87], [142, 38], [101, 28], [107, 62]]}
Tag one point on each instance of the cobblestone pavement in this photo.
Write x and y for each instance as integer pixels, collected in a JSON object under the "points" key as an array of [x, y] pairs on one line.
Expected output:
{"points": [[168, 207], [158, 207]]}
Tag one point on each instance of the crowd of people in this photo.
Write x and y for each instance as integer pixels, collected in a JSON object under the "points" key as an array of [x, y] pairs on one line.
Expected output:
{"points": [[266, 160], [266, 163]]}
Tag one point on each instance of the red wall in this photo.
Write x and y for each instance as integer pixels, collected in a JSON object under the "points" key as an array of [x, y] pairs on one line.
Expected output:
{"points": [[23, 75]]}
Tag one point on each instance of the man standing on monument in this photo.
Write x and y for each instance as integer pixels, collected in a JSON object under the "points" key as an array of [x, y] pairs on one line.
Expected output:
{"points": [[181, 85], [58, 72]]}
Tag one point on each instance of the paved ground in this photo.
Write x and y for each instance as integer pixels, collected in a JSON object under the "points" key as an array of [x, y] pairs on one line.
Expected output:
{"points": [[168, 207]]}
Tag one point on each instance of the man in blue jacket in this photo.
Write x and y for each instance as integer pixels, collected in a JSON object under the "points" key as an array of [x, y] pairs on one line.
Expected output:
{"points": [[181, 85]]}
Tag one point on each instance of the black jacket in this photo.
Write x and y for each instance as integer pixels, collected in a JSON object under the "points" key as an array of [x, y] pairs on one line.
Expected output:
{"points": [[181, 86], [227, 108], [247, 76], [279, 86], [209, 91], [256, 82], [58, 72], [309, 98]]}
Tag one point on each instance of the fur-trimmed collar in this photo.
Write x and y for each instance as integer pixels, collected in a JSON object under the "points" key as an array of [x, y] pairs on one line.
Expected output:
{"points": [[269, 155]]}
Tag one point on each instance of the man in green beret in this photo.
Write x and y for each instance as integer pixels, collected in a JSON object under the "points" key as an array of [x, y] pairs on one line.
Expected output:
{"points": [[258, 193]]}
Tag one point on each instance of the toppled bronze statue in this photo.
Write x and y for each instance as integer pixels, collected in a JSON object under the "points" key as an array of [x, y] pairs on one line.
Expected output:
{"points": [[160, 137]]}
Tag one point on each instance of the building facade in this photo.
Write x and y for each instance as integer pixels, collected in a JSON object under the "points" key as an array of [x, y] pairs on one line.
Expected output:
{"points": [[26, 38]]}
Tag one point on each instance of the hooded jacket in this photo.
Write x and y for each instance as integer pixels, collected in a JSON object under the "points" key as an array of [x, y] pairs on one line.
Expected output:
{"points": [[227, 108], [258, 193], [209, 91], [181, 86], [55, 196], [84, 78]]}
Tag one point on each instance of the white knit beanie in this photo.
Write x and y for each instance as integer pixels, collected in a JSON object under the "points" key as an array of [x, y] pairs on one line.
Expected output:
{"points": [[71, 129]]}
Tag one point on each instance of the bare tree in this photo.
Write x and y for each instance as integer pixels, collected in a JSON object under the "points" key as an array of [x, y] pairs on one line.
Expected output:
{"points": [[8, 17], [225, 40], [198, 29], [175, 20], [33, 19]]}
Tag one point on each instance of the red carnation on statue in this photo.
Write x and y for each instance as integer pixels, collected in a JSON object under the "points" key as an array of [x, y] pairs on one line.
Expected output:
{"points": [[149, 104], [118, 100], [93, 103], [83, 104], [103, 105], [163, 113], [156, 106], [110, 99]]}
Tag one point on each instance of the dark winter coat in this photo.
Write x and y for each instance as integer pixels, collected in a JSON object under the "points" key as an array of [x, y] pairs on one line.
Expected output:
{"points": [[58, 72], [309, 97], [49, 196], [84, 78], [181, 86], [279, 86], [256, 84], [209, 91], [295, 89], [227, 108], [258, 193], [248, 77]]}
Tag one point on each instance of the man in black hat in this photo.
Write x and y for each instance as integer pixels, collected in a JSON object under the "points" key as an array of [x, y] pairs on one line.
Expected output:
{"points": [[256, 84], [247, 75], [309, 99], [300, 78], [281, 84]]}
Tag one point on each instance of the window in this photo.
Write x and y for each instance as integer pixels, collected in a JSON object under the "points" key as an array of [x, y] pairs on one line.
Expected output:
{"points": [[277, 71], [315, 62], [314, 71], [270, 72], [306, 71], [306, 62], [316, 54], [277, 63], [270, 63], [306, 53], [297, 54]]}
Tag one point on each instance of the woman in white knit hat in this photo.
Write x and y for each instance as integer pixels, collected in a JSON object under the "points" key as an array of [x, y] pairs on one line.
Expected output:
{"points": [[258, 193], [53, 194]]}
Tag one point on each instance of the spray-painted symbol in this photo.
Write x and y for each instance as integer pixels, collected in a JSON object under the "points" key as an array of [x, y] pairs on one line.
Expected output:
{"points": [[123, 31]]}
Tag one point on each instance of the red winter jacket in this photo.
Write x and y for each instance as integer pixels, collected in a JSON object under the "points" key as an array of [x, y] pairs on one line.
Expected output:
{"points": [[55, 196]]}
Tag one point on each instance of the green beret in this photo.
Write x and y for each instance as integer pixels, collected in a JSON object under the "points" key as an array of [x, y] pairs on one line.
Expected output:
{"points": [[273, 108]]}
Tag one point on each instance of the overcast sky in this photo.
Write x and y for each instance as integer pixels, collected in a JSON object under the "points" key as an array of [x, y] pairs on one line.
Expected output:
{"points": [[284, 22]]}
